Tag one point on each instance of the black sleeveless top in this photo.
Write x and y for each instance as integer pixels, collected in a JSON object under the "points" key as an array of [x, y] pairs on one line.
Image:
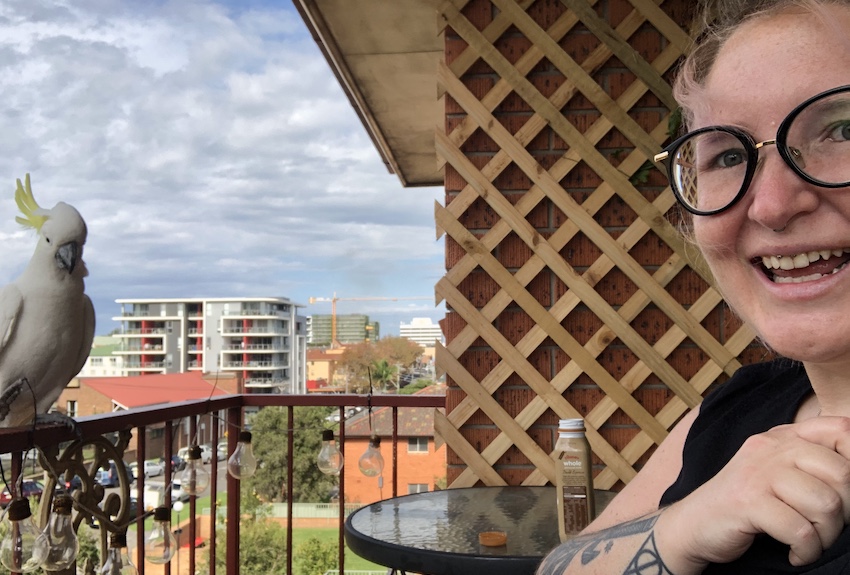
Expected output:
{"points": [[755, 399]]}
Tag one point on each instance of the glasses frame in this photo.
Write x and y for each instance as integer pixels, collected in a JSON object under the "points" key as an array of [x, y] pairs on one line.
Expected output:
{"points": [[665, 157]]}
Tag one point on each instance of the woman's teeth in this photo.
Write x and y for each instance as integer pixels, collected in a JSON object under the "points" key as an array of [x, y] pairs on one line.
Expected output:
{"points": [[801, 261]]}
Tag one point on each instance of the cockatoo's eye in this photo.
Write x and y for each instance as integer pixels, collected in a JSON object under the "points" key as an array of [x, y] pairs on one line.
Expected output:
{"points": [[47, 239]]}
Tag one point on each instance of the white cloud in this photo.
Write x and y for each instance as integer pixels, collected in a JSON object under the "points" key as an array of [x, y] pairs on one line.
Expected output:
{"points": [[211, 152]]}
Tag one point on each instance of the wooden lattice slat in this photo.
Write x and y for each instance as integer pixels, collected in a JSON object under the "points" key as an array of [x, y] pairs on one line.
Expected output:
{"points": [[524, 432]]}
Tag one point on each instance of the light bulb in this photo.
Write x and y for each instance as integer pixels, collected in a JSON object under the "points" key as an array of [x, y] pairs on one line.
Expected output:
{"points": [[372, 462], [59, 536], [117, 558], [22, 549], [242, 463], [160, 544], [194, 478], [330, 459]]}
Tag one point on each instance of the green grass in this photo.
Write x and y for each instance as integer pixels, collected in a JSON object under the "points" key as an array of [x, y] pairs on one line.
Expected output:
{"points": [[330, 534]]}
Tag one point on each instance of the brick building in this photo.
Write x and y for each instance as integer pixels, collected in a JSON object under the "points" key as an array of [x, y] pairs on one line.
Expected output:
{"points": [[86, 396], [421, 462]]}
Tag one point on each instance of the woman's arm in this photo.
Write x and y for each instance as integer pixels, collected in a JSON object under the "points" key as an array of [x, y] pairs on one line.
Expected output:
{"points": [[615, 539], [791, 483]]}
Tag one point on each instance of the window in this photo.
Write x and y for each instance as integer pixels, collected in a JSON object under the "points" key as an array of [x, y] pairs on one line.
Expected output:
{"points": [[417, 445], [96, 361], [71, 408], [417, 488]]}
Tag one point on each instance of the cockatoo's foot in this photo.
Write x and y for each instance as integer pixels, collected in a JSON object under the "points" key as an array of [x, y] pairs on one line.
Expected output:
{"points": [[60, 418], [9, 395]]}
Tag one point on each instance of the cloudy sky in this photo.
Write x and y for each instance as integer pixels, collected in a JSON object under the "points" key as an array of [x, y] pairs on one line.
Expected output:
{"points": [[212, 154]]}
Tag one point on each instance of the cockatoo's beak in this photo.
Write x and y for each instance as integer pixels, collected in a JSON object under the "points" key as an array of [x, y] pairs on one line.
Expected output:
{"points": [[66, 256]]}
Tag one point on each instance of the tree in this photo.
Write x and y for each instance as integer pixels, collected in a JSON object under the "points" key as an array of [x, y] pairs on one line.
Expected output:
{"points": [[262, 548], [270, 428], [382, 374], [314, 557], [398, 351], [359, 359], [356, 361]]}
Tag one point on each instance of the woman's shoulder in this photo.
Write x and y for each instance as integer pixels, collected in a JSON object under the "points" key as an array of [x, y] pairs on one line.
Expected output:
{"points": [[757, 382]]}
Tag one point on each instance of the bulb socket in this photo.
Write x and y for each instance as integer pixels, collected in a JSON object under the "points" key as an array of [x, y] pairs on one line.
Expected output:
{"points": [[19, 509], [62, 504], [245, 436], [328, 435], [162, 514], [118, 540], [375, 441], [195, 452]]}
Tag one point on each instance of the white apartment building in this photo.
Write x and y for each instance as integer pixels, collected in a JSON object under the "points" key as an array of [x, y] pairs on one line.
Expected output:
{"points": [[101, 362], [262, 339], [421, 330]]}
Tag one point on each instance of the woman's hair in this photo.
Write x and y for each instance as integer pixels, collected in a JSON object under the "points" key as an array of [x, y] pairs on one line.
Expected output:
{"points": [[716, 22]]}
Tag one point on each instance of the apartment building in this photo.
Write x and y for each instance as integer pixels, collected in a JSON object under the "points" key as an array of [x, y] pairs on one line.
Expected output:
{"points": [[422, 330], [261, 339], [350, 328]]}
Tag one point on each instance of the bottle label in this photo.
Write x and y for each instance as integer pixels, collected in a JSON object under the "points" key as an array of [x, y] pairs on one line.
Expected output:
{"points": [[575, 509]]}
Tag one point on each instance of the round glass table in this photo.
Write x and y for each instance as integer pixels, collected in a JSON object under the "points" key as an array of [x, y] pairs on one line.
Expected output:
{"points": [[437, 532]]}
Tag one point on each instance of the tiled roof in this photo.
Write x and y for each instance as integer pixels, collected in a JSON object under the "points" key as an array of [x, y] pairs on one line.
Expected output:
{"points": [[142, 390], [412, 421]]}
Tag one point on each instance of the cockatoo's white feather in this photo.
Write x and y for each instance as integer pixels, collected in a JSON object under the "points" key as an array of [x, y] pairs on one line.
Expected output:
{"points": [[46, 319]]}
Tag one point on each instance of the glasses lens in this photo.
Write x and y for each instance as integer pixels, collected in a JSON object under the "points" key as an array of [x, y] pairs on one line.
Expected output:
{"points": [[709, 169], [819, 139]]}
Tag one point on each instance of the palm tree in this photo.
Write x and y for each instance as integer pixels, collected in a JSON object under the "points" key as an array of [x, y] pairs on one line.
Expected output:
{"points": [[382, 373]]}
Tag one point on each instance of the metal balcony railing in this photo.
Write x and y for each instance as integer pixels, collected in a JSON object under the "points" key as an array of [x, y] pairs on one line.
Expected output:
{"points": [[101, 438]]}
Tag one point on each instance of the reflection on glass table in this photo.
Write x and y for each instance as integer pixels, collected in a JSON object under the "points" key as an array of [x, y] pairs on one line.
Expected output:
{"points": [[437, 532]]}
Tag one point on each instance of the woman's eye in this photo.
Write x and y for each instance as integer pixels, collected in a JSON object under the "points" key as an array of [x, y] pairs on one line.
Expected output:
{"points": [[728, 159], [840, 132]]}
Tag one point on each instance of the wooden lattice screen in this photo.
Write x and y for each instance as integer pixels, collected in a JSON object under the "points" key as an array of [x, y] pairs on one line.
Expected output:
{"points": [[570, 291]]}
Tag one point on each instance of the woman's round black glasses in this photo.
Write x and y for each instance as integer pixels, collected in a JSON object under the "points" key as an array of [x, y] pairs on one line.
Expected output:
{"points": [[711, 168]]}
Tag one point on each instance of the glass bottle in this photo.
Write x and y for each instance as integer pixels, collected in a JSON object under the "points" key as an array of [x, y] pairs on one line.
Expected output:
{"points": [[574, 478]]}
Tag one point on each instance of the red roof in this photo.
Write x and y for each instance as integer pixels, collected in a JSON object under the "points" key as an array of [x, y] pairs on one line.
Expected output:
{"points": [[142, 390], [412, 421]]}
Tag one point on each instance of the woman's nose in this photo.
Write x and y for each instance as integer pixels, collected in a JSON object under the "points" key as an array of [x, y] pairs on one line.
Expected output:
{"points": [[777, 193]]}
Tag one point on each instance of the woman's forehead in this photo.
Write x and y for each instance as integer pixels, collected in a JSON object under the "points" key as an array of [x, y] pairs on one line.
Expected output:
{"points": [[773, 63]]}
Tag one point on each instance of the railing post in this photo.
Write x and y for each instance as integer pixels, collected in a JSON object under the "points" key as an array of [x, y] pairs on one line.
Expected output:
{"points": [[234, 423], [290, 450], [342, 491]]}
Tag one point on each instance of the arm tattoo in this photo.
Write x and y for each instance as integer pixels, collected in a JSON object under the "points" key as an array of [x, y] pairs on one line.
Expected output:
{"points": [[646, 561]]}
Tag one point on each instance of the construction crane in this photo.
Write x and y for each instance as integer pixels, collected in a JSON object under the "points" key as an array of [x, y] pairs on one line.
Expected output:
{"points": [[334, 299]]}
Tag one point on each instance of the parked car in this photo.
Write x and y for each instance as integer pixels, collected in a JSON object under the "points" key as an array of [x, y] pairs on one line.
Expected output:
{"points": [[29, 488], [153, 468], [69, 485], [133, 512], [206, 453], [109, 477], [177, 463], [154, 494], [222, 450]]}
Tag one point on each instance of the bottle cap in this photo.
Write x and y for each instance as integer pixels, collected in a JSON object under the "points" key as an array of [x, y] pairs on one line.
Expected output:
{"points": [[571, 424]]}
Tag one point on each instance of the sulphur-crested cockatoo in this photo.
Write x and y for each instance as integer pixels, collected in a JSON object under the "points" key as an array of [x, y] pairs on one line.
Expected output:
{"points": [[46, 319]]}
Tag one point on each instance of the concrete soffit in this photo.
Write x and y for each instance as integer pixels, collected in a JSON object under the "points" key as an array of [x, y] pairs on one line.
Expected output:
{"points": [[384, 55]]}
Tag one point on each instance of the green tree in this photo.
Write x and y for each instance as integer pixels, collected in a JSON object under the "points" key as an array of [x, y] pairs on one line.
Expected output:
{"points": [[314, 557], [269, 428], [383, 374], [262, 548]]}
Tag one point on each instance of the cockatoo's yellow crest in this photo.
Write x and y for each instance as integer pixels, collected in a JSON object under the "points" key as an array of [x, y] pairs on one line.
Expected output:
{"points": [[34, 214]]}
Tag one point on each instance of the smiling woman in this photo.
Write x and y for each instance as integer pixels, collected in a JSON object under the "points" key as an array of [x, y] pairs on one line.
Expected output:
{"points": [[757, 480]]}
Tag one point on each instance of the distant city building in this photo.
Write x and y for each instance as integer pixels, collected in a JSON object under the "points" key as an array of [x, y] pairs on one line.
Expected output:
{"points": [[422, 330], [350, 328], [261, 339], [102, 362]]}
